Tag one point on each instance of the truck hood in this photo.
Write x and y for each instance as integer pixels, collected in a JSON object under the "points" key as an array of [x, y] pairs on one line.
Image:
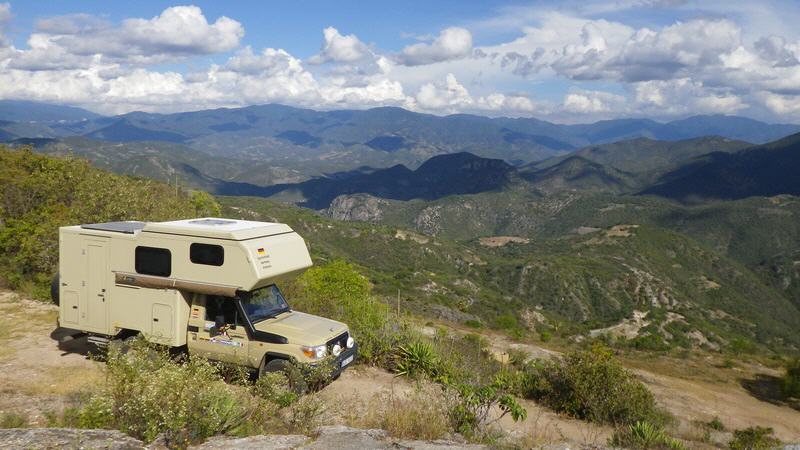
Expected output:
{"points": [[303, 329]]}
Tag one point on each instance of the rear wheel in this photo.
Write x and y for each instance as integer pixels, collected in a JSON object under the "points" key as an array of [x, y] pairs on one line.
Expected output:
{"points": [[54, 291]]}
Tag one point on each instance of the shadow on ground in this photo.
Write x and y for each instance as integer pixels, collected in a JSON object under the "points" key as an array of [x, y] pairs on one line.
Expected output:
{"points": [[79, 346], [767, 388]]}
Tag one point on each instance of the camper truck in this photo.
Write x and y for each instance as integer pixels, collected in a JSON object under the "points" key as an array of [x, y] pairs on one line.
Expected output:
{"points": [[208, 286]]}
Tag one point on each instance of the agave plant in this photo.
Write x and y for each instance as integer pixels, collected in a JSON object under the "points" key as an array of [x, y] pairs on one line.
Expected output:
{"points": [[645, 435], [417, 359]]}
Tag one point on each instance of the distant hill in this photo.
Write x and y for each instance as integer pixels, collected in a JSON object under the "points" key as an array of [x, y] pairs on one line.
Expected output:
{"points": [[26, 111], [765, 170], [641, 155], [578, 173], [440, 176]]}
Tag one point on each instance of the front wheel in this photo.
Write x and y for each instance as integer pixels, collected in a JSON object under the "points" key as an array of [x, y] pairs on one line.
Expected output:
{"points": [[294, 377]]}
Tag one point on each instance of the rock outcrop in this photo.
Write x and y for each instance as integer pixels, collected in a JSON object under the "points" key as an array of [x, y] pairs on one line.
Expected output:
{"points": [[325, 438]]}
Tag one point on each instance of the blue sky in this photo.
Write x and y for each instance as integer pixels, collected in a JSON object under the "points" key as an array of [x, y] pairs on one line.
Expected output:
{"points": [[573, 61]]}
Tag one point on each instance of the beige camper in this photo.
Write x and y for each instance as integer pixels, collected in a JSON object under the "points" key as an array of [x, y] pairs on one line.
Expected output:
{"points": [[209, 286]]}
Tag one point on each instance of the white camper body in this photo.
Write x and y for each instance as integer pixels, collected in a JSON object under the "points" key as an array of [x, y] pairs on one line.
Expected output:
{"points": [[141, 276]]}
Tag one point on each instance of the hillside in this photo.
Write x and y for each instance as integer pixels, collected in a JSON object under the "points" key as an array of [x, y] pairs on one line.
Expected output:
{"points": [[643, 155], [573, 284], [766, 170], [28, 111], [38, 194], [440, 176]]}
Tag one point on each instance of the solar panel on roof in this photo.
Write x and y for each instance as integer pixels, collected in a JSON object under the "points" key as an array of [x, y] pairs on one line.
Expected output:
{"points": [[116, 227], [212, 222]]}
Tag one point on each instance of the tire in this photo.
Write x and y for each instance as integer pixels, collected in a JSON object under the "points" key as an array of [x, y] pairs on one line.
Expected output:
{"points": [[54, 289], [296, 381]]}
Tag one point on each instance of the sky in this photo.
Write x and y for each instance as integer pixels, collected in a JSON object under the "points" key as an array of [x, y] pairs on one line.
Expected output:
{"points": [[567, 61]]}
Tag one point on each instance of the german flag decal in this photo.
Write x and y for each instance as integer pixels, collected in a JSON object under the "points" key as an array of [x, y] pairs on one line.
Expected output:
{"points": [[261, 251]]}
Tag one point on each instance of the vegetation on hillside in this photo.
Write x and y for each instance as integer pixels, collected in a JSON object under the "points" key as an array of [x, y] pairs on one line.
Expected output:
{"points": [[38, 194], [562, 286]]}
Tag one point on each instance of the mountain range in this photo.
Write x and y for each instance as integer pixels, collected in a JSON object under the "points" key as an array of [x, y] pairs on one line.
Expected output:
{"points": [[313, 143]]}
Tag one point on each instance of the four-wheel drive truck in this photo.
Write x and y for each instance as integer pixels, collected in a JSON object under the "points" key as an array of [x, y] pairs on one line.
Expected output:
{"points": [[208, 286]]}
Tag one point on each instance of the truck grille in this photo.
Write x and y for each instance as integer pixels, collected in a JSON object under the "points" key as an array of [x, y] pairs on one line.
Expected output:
{"points": [[341, 340]]}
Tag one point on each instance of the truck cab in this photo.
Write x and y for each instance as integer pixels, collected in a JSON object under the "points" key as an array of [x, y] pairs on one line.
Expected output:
{"points": [[209, 286]]}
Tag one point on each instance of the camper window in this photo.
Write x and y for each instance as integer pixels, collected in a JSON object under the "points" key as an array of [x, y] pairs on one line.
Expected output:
{"points": [[153, 261], [210, 255]]}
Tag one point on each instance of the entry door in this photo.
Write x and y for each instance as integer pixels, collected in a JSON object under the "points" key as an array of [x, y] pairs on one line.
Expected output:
{"points": [[97, 276]]}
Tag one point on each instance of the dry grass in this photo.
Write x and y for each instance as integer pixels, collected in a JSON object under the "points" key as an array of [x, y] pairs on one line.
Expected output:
{"points": [[67, 380], [421, 414]]}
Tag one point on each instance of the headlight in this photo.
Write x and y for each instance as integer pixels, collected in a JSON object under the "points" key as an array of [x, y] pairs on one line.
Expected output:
{"points": [[350, 342], [317, 352]]}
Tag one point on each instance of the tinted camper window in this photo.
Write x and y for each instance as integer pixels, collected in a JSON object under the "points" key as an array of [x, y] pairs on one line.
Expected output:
{"points": [[210, 255], [153, 261]]}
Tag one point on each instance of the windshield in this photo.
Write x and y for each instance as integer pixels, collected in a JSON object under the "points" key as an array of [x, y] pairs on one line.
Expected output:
{"points": [[264, 303]]}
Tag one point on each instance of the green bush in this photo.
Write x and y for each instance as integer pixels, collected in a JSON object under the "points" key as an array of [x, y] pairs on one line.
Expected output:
{"points": [[790, 385], [715, 424], [590, 385], [644, 436], [471, 405], [754, 438], [146, 394], [13, 420], [419, 359], [338, 291]]}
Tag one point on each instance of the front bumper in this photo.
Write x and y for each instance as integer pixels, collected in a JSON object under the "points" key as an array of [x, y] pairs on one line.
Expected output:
{"points": [[345, 359]]}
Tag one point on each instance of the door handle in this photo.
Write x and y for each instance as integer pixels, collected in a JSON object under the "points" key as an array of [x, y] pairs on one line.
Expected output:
{"points": [[155, 319]]}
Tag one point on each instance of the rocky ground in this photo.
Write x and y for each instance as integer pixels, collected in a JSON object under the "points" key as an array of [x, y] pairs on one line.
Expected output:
{"points": [[325, 438], [39, 377]]}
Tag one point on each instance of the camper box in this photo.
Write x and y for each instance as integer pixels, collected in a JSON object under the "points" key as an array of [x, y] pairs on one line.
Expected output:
{"points": [[141, 276]]}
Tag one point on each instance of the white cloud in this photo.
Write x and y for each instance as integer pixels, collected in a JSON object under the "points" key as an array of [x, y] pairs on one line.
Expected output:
{"points": [[339, 48], [452, 43], [178, 31], [601, 68]]}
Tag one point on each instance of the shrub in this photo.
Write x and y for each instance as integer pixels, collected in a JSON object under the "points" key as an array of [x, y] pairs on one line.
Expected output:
{"points": [[754, 438], [715, 424], [545, 336], [146, 394], [419, 359], [643, 436], [790, 385], [274, 387], [303, 416], [590, 385], [13, 420], [472, 404], [339, 292]]}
